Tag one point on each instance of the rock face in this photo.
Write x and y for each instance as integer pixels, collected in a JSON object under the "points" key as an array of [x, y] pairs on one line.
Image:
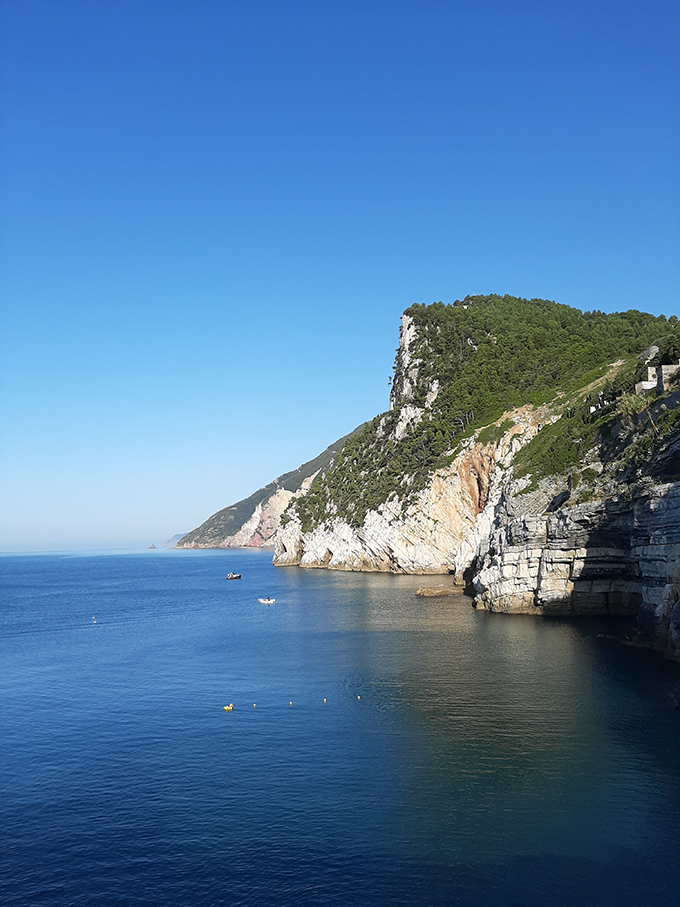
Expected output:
{"points": [[671, 606], [442, 527], [607, 557], [255, 532], [439, 533], [619, 554], [258, 530], [567, 509]]}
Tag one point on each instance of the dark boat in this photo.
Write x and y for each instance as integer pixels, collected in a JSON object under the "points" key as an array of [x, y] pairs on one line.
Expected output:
{"points": [[233, 576]]}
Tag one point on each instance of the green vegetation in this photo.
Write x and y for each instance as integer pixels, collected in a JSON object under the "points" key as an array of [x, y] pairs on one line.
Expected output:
{"points": [[644, 425], [489, 355], [493, 433], [669, 423], [559, 447], [669, 346]]}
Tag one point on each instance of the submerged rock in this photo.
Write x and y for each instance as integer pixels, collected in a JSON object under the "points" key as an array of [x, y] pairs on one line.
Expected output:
{"points": [[437, 591]]}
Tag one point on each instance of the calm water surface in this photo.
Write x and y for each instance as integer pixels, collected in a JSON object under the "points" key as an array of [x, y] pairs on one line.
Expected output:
{"points": [[458, 758]]}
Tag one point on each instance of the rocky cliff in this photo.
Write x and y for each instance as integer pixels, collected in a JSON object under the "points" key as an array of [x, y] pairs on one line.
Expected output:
{"points": [[515, 456], [610, 546], [612, 556], [439, 531], [570, 507]]}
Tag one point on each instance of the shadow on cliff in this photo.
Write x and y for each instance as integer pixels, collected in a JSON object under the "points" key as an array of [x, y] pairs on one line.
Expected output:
{"points": [[631, 558], [605, 558]]}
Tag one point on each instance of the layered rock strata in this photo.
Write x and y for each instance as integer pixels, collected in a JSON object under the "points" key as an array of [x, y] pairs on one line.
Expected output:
{"points": [[607, 557]]}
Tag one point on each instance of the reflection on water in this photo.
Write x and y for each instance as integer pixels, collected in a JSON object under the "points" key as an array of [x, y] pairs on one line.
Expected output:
{"points": [[457, 755], [509, 725]]}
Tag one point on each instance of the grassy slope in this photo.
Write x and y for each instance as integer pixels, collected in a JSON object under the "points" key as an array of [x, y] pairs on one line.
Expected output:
{"points": [[632, 434]]}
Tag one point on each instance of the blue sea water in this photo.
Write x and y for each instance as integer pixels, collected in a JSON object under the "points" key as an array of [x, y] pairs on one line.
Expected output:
{"points": [[431, 754]]}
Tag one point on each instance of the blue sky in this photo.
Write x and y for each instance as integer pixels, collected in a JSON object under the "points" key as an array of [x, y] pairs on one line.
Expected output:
{"points": [[214, 213]]}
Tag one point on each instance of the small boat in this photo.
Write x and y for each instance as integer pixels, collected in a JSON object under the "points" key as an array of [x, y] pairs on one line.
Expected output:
{"points": [[229, 708], [233, 576], [266, 601]]}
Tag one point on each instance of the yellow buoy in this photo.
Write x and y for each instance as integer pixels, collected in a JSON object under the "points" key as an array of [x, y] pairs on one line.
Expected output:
{"points": [[290, 703], [358, 697], [253, 705], [324, 700]]}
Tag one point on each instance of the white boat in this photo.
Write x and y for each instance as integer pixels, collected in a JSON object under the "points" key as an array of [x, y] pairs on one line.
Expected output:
{"points": [[266, 601]]}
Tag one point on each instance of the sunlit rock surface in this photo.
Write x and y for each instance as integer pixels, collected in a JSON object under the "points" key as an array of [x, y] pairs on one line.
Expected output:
{"points": [[440, 532]]}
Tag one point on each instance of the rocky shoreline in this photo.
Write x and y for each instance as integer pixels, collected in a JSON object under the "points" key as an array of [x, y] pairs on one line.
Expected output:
{"points": [[590, 530], [609, 557], [520, 546]]}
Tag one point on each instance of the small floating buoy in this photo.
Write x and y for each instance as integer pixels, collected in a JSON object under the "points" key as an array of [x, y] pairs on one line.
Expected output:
{"points": [[253, 705], [324, 700], [290, 703], [358, 697]]}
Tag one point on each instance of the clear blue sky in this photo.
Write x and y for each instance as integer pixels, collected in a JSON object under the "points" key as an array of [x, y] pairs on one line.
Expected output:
{"points": [[214, 213]]}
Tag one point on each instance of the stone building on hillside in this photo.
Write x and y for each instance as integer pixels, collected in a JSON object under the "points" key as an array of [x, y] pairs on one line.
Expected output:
{"points": [[657, 378]]}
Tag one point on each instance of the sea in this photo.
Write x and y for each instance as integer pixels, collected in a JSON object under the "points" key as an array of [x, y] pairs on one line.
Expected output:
{"points": [[383, 748]]}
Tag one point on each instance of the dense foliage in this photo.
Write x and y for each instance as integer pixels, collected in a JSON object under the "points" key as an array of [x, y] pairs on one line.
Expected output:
{"points": [[489, 354], [558, 447], [562, 445]]}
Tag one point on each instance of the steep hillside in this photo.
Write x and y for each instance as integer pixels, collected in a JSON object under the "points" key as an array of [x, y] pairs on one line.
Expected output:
{"points": [[253, 521]]}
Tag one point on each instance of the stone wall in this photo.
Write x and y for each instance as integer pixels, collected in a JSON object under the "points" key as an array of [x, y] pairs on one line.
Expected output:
{"points": [[658, 378]]}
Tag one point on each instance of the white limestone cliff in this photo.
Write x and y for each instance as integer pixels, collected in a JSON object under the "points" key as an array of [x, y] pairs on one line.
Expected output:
{"points": [[439, 533]]}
